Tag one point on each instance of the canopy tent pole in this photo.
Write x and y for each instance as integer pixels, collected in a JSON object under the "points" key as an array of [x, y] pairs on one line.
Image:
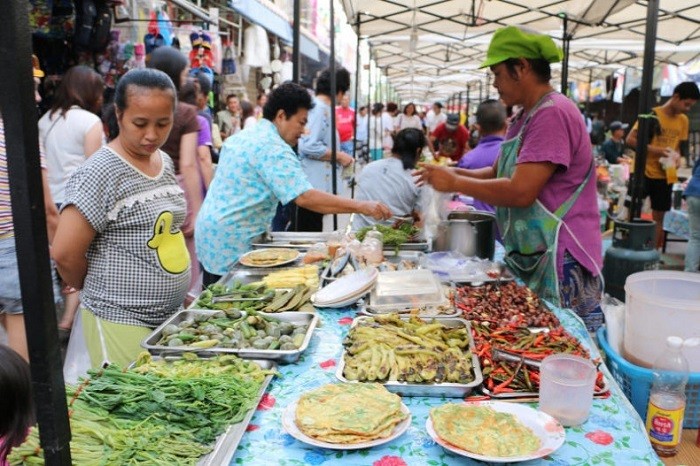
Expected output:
{"points": [[31, 239], [481, 91], [645, 103], [369, 97], [488, 84], [296, 39], [459, 105], [334, 141], [588, 98], [357, 106], [466, 111], [566, 42]]}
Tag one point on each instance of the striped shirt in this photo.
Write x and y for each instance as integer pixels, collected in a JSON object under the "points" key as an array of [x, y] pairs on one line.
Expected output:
{"points": [[7, 229]]}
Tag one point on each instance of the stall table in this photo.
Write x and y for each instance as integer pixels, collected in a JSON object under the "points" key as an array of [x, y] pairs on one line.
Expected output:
{"points": [[614, 434]]}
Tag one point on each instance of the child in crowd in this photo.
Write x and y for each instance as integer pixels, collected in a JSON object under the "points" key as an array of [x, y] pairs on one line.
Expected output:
{"points": [[16, 404]]}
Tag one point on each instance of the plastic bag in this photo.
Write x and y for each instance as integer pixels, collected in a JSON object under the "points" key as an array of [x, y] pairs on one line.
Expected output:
{"points": [[614, 312], [435, 208], [77, 360]]}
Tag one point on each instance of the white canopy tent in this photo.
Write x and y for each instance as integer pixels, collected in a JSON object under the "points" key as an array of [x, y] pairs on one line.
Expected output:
{"points": [[430, 49]]}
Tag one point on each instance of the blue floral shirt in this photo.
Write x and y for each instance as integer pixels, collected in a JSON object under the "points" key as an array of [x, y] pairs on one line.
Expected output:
{"points": [[257, 169]]}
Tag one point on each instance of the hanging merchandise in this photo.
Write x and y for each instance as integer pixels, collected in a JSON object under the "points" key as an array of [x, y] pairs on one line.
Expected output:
{"points": [[256, 46], [165, 27], [201, 54], [228, 64], [154, 38], [93, 24], [52, 18]]}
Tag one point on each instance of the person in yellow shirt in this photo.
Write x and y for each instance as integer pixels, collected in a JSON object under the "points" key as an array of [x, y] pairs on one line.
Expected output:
{"points": [[669, 142]]}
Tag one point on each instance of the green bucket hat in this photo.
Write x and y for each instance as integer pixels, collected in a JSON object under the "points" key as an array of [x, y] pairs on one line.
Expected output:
{"points": [[511, 42]]}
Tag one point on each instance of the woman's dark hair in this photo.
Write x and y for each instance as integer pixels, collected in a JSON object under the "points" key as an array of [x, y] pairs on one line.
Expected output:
{"points": [[540, 67], [342, 81], [188, 93], [170, 61], [391, 107], [204, 84], [145, 78], [377, 108], [247, 110], [407, 144], [16, 403], [405, 109], [288, 97], [110, 124], [80, 86]]}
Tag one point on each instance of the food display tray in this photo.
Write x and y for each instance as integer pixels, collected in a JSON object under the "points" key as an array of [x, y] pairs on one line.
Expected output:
{"points": [[301, 240], [247, 275], [449, 390], [449, 311], [505, 276], [227, 443], [283, 356], [534, 396], [393, 257]]}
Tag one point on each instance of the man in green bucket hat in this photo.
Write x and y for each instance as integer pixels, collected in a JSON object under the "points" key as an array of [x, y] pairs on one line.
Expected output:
{"points": [[543, 182]]}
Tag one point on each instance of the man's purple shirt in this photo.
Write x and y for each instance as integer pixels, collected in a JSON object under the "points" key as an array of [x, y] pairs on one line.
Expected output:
{"points": [[483, 155]]}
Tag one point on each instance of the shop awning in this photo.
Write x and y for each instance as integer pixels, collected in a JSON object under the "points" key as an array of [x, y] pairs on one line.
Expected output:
{"points": [[257, 13], [274, 22]]}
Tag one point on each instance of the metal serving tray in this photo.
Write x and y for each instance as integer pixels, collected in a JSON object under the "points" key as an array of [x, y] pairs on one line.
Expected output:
{"points": [[301, 240], [534, 396], [450, 390], [282, 356], [414, 257]]}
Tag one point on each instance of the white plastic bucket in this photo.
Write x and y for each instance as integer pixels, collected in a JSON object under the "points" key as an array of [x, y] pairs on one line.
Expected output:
{"points": [[660, 304]]}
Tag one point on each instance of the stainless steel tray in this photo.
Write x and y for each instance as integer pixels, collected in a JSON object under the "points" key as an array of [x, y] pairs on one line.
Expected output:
{"points": [[536, 395], [392, 257], [283, 356], [450, 390], [227, 443], [301, 240]]}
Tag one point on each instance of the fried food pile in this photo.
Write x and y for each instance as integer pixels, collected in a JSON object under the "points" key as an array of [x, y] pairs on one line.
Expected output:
{"points": [[349, 413], [483, 430]]}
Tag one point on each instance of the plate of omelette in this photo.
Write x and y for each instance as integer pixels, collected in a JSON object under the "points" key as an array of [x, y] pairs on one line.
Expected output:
{"points": [[347, 416], [495, 431]]}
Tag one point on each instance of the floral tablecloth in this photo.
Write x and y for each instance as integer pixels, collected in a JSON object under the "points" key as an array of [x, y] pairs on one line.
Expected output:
{"points": [[677, 223], [613, 435]]}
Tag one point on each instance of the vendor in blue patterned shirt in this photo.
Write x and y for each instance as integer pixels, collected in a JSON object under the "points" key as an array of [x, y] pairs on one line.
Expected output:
{"points": [[257, 169]]}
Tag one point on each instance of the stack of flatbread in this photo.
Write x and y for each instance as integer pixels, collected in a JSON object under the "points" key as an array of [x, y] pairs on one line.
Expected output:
{"points": [[268, 257], [483, 430], [349, 413]]}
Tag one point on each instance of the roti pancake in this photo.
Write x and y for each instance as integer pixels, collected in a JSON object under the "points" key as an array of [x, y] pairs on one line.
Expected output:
{"points": [[269, 256], [349, 413], [483, 430]]}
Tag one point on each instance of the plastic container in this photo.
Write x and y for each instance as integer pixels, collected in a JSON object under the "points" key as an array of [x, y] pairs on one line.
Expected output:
{"points": [[635, 383], [660, 304], [664, 422], [566, 388], [407, 288]]}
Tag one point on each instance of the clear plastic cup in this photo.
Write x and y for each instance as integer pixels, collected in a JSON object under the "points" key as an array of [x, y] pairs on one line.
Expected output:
{"points": [[566, 388]]}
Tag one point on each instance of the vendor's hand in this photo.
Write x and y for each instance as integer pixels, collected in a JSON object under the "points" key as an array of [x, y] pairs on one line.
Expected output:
{"points": [[440, 178], [344, 159], [376, 210], [674, 156]]}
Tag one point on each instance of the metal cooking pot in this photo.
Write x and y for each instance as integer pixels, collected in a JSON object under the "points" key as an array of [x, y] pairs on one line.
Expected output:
{"points": [[471, 233]]}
